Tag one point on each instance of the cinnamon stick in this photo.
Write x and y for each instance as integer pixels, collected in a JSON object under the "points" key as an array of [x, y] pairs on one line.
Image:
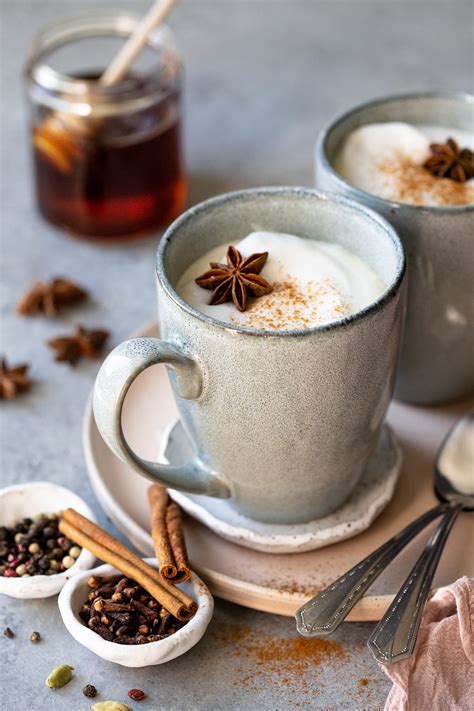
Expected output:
{"points": [[168, 536], [158, 500], [174, 525], [93, 531], [124, 560]]}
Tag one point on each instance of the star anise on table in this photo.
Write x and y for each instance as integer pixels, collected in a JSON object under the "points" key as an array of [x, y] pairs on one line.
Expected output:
{"points": [[13, 380], [448, 160], [84, 342], [50, 297], [236, 279]]}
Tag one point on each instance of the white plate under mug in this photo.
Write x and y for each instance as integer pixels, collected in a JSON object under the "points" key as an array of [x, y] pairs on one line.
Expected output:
{"points": [[281, 582], [369, 498]]}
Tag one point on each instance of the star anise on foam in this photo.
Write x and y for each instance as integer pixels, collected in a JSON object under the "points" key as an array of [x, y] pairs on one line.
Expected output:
{"points": [[50, 297], [13, 380], [84, 342], [448, 160], [236, 279]]}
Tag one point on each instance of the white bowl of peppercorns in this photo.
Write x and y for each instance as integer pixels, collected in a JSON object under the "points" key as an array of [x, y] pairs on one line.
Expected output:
{"points": [[36, 560]]}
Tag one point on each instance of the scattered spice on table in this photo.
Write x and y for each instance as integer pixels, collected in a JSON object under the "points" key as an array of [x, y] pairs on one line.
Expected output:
{"points": [[35, 637], [168, 535], [35, 547], [110, 550], [8, 632], [84, 342], [13, 380], [121, 611], [50, 297], [136, 694], [273, 660], [363, 682], [110, 706], [89, 691], [60, 676]]}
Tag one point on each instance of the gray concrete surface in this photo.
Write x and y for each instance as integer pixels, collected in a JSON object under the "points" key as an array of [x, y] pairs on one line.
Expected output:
{"points": [[262, 78]]}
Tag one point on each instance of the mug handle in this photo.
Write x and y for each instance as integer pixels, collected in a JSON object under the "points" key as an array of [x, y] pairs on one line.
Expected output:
{"points": [[117, 373]]}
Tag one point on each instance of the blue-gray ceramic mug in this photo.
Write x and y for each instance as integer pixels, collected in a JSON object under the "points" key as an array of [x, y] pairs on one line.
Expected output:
{"points": [[436, 361], [283, 424]]}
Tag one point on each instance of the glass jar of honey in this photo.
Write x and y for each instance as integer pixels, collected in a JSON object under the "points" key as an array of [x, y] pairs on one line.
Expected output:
{"points": [[107, 159]]}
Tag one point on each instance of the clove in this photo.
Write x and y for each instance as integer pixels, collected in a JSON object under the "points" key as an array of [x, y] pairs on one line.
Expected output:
{"points": [[101, 605]]}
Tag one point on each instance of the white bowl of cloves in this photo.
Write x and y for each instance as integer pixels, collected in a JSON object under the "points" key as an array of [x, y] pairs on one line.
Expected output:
{"points": [[36, 559], [120, 621]]}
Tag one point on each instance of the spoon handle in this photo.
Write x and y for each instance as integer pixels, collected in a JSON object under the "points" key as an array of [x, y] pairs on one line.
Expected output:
{"points": [[395, 636], [324, 613]]}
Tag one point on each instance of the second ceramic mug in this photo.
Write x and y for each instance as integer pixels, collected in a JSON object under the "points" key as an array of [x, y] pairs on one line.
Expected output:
{"points": [[283, 423], [436, 362]]}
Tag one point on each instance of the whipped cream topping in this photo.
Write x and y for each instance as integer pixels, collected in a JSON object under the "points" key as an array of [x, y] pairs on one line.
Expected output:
{"points": [[314, 283], [386, 159]]}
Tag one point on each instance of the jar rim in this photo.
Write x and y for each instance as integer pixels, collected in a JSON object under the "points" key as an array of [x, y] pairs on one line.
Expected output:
{"points": [[98, 23]]}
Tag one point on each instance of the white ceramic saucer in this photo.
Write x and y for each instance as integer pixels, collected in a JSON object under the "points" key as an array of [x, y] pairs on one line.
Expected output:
{"points": [[280, 582], [369, 498]]}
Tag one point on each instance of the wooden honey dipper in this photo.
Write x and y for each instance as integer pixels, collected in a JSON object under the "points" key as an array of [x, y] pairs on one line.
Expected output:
{"points": [[52, 137]]}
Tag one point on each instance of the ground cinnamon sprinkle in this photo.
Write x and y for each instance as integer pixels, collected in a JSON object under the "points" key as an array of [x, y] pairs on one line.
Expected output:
{"points": [[275, 660], [295, 588], [363, 682], [292, 304], [412, 183]]}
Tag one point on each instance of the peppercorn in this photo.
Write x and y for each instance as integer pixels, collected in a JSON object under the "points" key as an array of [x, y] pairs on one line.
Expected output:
{"points": [[90, 691], [136, 694], [68, 561], [8, 632], [43, 563], [35, 637]]}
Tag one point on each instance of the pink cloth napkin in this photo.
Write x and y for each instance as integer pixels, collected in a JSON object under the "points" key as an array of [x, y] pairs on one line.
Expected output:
{"points": [[439, 676]]}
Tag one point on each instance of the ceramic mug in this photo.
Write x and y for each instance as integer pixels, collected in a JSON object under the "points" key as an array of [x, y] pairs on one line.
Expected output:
{"points": [[436, 361], [283, 423]]}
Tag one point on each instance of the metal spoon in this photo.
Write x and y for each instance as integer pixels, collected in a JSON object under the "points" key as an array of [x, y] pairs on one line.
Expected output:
{"points": [[395, 636]]}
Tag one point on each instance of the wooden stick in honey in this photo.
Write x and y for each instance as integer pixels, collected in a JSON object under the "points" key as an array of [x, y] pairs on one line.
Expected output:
{"points": [[174, 525], [158, 500], [95, 532]]}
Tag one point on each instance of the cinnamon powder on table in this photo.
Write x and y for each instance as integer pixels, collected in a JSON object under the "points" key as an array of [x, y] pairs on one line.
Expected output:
{"points": [[276, 660]]}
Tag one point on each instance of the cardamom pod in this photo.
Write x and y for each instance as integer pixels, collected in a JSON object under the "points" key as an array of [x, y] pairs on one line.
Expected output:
{"points": [[110, 706], [60, 676]]}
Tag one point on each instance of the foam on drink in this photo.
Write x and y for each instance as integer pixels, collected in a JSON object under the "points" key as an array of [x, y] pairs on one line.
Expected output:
{"points": [[314, 283], [386, 159]]}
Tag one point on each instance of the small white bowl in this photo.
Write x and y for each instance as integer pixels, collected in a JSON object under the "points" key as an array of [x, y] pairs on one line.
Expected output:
{"points": [[74, 594], [29, 500]]}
